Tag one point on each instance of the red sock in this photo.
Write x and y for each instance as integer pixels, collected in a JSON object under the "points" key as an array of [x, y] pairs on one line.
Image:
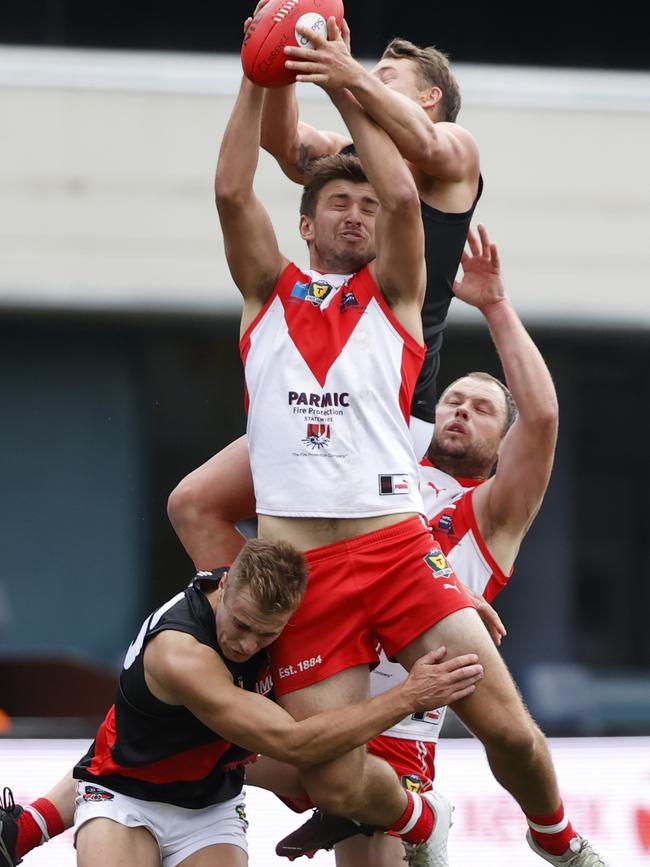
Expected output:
{"points": [[553, 833], [31, 831], [416, 822]]}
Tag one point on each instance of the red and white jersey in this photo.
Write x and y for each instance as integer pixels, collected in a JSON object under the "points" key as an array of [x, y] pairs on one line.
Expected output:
{"points": [[330, 374], [449, 510]]}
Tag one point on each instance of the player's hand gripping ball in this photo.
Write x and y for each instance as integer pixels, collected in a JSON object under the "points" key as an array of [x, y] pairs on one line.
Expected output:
{"points": [[274, 27]]}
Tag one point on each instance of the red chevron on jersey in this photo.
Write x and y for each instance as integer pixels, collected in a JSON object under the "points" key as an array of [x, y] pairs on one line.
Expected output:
{"points": [[330, 373], [304, 301]]}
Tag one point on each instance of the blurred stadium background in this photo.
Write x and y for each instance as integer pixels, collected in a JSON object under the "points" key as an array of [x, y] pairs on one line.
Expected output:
{"points": [[119, 370]]}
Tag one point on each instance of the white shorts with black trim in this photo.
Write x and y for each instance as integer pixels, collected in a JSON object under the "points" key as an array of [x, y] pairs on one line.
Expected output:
{"points": [[178, 831]]}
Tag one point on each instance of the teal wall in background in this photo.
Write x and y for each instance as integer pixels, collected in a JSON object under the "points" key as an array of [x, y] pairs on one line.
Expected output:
{"points": [[72, 524]]}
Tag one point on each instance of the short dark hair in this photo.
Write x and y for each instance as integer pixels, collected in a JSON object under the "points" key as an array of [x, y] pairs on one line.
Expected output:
{"points": [[274, 573], [511, 407], [325, 169], [434, 71]]}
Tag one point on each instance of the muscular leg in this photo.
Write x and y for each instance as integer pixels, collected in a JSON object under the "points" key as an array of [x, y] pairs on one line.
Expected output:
{"points": [[219, 855], [277, 777], [205, 506], [380, 850], [105, 843], [26, 826], [62, 795], [356, 785], [516, 749]]}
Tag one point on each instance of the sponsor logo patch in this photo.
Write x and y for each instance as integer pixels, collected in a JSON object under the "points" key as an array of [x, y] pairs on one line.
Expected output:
{"points": [[445, 524], [394, 484], [436, 561], [92, 793], [314, 291], [264, 685], [411, 782], [348, 300], [321, 401], [264, 682], [300, 290], [430, 716], [241, 813], [318, 292], [318, 435]]}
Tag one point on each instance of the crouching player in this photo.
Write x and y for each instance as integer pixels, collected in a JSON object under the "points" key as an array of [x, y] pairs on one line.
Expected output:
{"points": [[162, 781]]}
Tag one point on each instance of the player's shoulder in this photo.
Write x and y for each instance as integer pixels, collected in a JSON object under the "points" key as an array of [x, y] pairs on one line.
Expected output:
{"points": [[174, 657], [457, 130], [173, 647], [465, 143]]}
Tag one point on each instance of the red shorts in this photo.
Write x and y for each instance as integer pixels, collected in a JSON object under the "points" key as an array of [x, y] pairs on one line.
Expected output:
{"points": [[388, 586], [412, 761]]}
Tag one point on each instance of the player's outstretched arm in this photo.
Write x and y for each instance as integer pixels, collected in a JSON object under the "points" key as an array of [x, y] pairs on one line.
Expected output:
{"points": [[509, 501], [399, 267], [183, 671], [294, 144], [442, 150], [251, 245]]}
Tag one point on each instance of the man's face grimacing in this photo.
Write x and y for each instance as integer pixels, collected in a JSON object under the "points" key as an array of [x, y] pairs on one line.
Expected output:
{"points": [[470, 424], [341, 234], [243, 628]]}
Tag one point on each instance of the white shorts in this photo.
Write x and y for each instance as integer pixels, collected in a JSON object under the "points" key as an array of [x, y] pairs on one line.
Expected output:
{"points": [[179, 832]]}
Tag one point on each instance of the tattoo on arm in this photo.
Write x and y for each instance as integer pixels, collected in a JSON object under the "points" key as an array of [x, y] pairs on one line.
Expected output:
{"points": [[305, 156]]}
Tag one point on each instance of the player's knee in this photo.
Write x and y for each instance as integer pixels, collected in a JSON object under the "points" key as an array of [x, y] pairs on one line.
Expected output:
{"points": [[340, 802], [519, 738], [340, 796], [182, 504]]}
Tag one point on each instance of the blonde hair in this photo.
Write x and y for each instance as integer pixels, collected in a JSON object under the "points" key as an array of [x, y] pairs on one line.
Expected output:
{"points": [[434, 71], [274, 573]]}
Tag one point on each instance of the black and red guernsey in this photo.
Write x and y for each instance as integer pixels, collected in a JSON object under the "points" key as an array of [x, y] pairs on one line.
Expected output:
{"points": [[444, 241], [159, 752]]}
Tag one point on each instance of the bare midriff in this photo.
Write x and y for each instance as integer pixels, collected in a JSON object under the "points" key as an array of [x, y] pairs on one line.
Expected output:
{"points": [[308, 533]]}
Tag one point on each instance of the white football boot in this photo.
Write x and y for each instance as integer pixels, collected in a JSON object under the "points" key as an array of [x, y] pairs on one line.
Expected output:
{"points": [[433, 851], [579, 854]]}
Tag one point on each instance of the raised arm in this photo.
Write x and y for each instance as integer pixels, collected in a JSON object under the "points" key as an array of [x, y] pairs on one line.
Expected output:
{"points": [[251, 246], [294, 143], [285, 137], [399, 268], [183, 671], [445, 151], [442, 150], [506, 505]]}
